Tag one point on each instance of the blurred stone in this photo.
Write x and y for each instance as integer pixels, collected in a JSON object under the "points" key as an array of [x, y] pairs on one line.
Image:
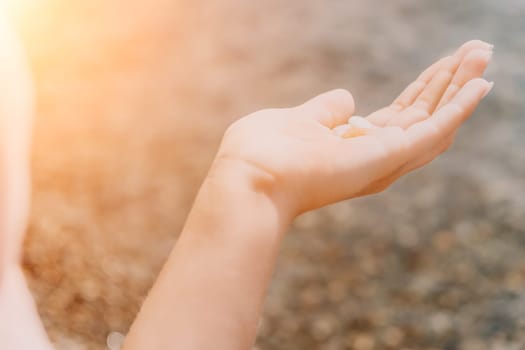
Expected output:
{"points": [[363, 342], [337, 291], [368, 265], [505, 345], [464, 271], [90, 289], [443, 241], [378, 317], [440, 322], [393, 337], [115, 340], [311, 296], [263, 328], [323, 327], [423, 284], [291, 326], [307, 221], [514, 281], [451, 298], [407, 237], [473, 344]]}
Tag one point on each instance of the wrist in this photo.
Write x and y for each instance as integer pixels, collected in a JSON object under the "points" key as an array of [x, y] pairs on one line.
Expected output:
{"points": [[221, 266], [236, 198], [241, 179]]}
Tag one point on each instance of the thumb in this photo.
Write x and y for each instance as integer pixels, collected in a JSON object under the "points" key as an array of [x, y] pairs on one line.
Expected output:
{"points": [[331, 108]]}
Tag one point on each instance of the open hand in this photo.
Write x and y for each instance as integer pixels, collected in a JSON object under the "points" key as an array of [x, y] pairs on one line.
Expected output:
{"points": [[294, 156]]}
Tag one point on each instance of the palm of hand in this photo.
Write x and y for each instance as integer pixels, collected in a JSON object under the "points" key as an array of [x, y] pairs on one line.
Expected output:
{"points": [[298, 153]]}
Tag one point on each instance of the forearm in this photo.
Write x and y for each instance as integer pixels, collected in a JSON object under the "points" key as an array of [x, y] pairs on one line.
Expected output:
{"points": [[210, 292]]}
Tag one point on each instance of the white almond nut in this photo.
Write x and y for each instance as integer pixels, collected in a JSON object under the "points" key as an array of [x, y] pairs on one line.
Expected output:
{"points": [[360, 122], [342, 129]]}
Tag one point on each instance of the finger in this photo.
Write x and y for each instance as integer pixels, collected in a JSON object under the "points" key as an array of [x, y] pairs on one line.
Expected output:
{"points": [[381, 116], [331, 108], [428, 134], [407, 97], [413, 90], [428, 157], [473, 66], [461, 52], [426, 102], [417, 152], [385, 182], [434, 90], [408, 117], [379, 153], [387, 145]]}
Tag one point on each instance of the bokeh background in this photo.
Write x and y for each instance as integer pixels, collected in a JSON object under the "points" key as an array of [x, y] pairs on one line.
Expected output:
{"points": [[133, 97]]}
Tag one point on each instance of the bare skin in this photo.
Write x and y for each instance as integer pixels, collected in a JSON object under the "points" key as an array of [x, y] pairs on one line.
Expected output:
{"points": [[20, 326], [272, 166], [276, 164]]}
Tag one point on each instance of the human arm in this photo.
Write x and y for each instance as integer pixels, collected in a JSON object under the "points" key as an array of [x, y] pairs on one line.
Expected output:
{"points": [[274, 165]]}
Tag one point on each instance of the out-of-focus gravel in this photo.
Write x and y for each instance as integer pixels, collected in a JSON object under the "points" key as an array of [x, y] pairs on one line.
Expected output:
{"points": [[133, 100]]}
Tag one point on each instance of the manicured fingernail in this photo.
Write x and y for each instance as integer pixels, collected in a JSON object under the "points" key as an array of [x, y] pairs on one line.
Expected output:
{"points": [[486, 55], [490, 86]]}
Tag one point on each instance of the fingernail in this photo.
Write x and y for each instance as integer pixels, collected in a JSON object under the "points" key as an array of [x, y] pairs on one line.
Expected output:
{"points": [[489, 46], [489, 55], [490, 86]]}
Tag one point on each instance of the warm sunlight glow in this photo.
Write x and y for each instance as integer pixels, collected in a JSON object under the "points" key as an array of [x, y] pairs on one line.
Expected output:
{"points": [[8, 5], [16, 9]]}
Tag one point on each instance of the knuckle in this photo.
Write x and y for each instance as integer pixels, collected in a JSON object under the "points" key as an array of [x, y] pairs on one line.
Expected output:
{"points": [[422, 104], [452, 89], [456, 109], [446, 73], [398, 105]]}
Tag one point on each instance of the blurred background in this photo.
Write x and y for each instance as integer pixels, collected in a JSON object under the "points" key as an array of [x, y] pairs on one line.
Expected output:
{"points": [[133, 98]]}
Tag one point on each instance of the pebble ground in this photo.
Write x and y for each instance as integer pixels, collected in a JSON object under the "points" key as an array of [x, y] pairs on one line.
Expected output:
{"points": [[133, 100]]}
